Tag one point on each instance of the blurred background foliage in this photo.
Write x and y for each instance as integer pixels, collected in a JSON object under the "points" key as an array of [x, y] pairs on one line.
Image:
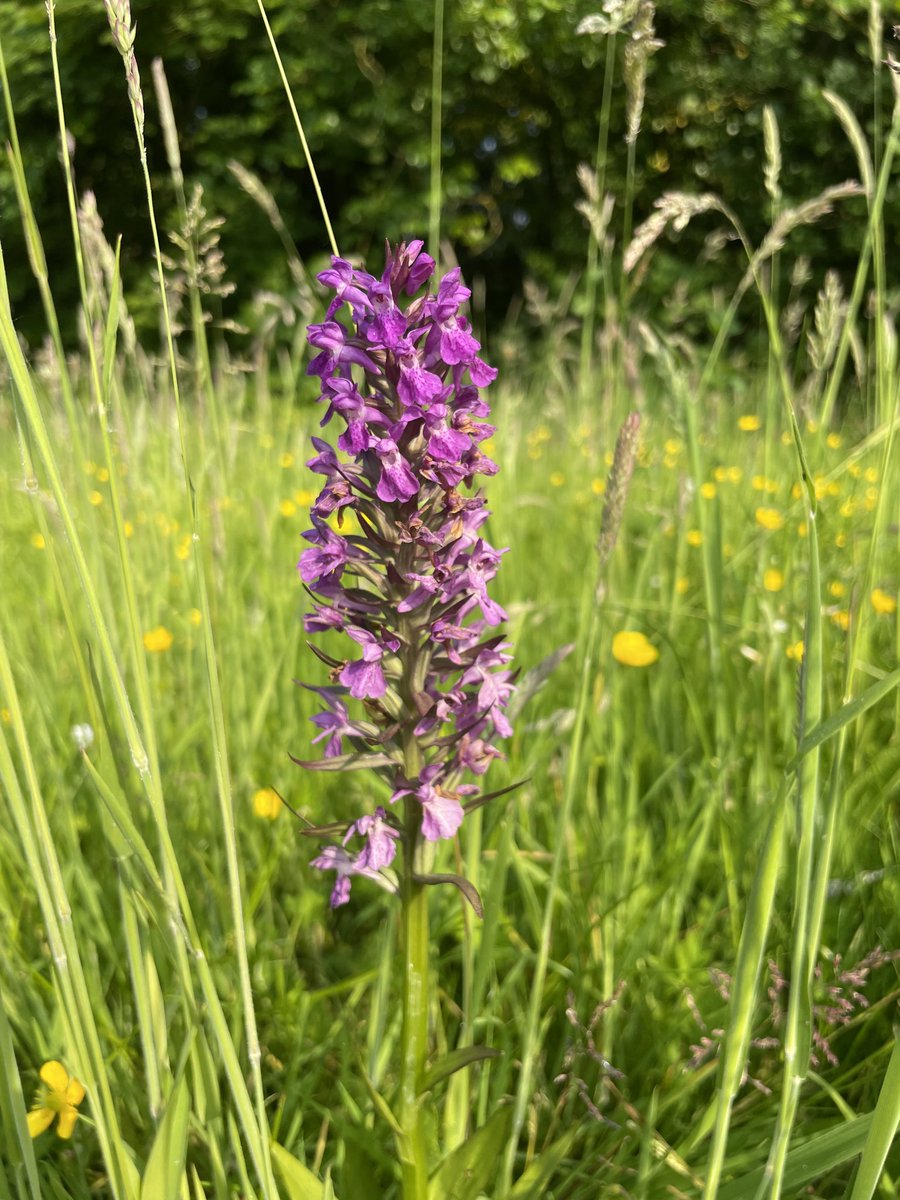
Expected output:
{"points": [[522, 94]]}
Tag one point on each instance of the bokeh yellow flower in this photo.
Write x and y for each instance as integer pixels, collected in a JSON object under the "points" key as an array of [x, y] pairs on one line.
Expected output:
{"points": [[158, 640], [95, 498], [708, 491], [769, 518], [102, 475], [682, 585], [304, 497], [128, 529], [749, 423], [834, 441], [883, 602], [837, 589], [773, 580], [795, 651], [598, 486], [841, 618], [694, 537], [632, 649], [195, 616], [287, 508], [37, 540], [61, 1097], [267, 804], [557, 479], [672, 447], [286, 460], [183, 549]]}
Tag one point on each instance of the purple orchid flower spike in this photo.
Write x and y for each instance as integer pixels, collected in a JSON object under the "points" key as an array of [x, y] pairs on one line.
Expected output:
{"points": [[409, 585]]}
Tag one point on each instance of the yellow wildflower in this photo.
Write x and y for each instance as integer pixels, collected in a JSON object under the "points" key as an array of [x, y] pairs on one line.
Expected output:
{"points": [[488, 447], [786, 438], [855, 470], [694, 537], [90, 468], [773, 580], [834, 441], [304, 497], [841, 618], [871, 474], [841, 541], [95, 498], [795, 651], [848, 508], [37, 540], [286, 460], [720, 474], [682, 585], [128, 529], [769, 518], [749, 423], [837, 589], [61, 1097], [797, 491], [883, 602], [287, 508], [598, 486], [102, 475], [802, 529], [267, 804], [5, 716], [183, 549], [708, 491], [266, 441], [672, 447], [557, 479], [632, 649], [734, 474], [812, 426], [195, 616], [158, 640], [758, 483]]}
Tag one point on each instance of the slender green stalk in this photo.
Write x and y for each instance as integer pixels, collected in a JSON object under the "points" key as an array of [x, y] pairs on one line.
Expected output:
{"points": [[745, 988], [299, 126], [882, 1131], [259, 1145], [437, 78], [592, 268]]}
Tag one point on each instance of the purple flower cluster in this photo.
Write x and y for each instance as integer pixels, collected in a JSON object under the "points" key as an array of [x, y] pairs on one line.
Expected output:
{"points": [[409, 589]]}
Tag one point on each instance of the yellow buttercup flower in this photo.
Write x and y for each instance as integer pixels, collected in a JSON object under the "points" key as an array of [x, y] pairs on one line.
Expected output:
{"points": [[95, 498], [286, 460], [158, 640], [769, 518], [841, 618], [749, 423], [883, 602], [834, 441], [837, 589], [672, 447], [267, 804], [304, 497], [773, 580], [694, 537], [287, 508], [557, 479], [708, 491], [682, 585], [795, 651], [195, 616], [61, 1097], [37, 540], [632, 649], [598, 486]]}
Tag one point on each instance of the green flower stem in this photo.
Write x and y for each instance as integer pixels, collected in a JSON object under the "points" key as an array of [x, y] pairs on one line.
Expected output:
{"points": [[414, 949], [414, 1032]]}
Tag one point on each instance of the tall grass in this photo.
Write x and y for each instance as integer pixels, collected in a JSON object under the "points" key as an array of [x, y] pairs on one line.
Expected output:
{"points": [[691, 833]]}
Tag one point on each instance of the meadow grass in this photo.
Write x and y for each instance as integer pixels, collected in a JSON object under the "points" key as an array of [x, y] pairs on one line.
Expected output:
{"points": [[687, 834]]}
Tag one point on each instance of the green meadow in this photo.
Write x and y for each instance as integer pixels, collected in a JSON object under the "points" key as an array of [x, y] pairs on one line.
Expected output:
{"points": [[685, 980]]}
